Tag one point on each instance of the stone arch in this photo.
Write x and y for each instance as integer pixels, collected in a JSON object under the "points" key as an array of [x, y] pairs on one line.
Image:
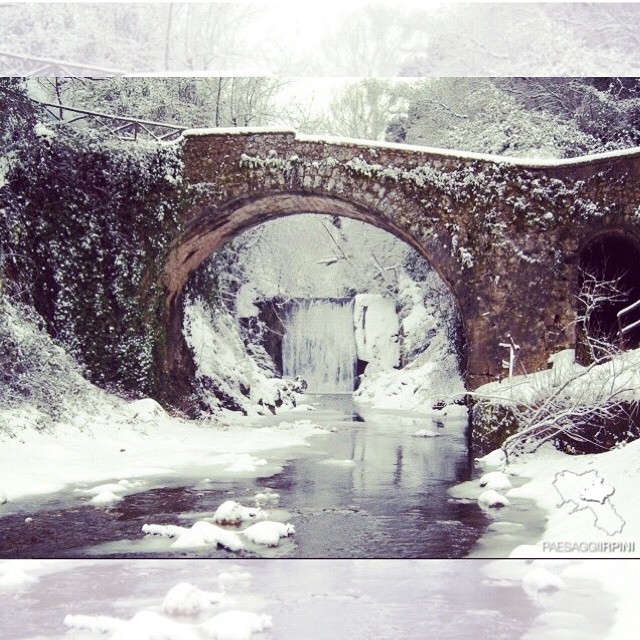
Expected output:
{"points": [[210, 229], [610, 254]]}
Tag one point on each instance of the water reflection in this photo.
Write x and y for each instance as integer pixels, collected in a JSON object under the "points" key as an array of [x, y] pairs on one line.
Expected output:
{"points": [[369, 488]]}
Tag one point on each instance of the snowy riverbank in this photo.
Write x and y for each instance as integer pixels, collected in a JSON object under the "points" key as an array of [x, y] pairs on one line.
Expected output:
{"points": [[134, 443], [590, 502]]}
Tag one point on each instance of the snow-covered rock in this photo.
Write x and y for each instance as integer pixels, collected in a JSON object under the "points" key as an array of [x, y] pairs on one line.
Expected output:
{"points": [[495, 480], [236, 625], [201, 534], [231, 512], [225, 367], [425, 433], [541, 580], [3, 497], [495, 458], [268, 533], [492, 500], [187, 600]]}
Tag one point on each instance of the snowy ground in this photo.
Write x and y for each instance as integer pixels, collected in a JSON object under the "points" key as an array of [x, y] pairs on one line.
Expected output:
{"points": [[138, 441]]}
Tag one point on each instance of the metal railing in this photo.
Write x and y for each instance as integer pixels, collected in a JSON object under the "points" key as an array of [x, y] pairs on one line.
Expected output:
{"points": [[623, 329], [19, 64], [122, 127]]}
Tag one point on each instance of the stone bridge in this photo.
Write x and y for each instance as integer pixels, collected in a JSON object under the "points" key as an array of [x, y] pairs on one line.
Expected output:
{"points": [[507, 235]]}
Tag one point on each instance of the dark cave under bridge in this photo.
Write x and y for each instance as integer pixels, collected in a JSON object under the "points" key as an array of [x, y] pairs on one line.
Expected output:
{"points": [[507, 235]]}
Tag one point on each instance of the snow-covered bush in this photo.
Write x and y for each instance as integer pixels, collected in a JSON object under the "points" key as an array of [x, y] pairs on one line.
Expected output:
{"points": [[40, 384]]}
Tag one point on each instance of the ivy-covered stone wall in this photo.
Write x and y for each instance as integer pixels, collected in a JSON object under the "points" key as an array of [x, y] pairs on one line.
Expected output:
{"points": [[84, 223]]}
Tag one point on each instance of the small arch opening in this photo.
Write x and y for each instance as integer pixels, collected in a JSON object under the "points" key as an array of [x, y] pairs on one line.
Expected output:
{"points": [[609, 283]]}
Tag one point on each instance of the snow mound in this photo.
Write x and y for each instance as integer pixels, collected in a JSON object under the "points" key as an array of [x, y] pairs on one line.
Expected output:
{"points": [[540, 580], [146, 410], [187, 600], [495, 480], [119, 487], [426, 433], [201, 534], [231, 512], [268, 533], [495, 458], [236, 625], [148, 625], [492, 500], [105, 498]]}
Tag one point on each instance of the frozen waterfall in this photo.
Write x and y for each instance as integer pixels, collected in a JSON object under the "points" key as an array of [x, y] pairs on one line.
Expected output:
{"points": [[319, 345]]}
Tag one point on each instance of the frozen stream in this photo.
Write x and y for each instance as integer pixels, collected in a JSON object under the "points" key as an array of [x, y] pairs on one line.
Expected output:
{"points": [[312, 600], [366, 489]]}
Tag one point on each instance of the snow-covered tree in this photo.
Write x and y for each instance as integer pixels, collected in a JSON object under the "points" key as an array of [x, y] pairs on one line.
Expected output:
{"points": [[364, 108], [189, 101]]}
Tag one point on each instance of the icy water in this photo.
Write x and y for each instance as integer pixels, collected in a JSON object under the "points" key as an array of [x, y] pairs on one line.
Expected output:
{"points": [[368, 489], [316, 600]]}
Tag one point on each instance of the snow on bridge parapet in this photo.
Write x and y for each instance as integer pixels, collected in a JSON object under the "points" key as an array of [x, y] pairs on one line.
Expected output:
{"points": [[340, 141]]}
